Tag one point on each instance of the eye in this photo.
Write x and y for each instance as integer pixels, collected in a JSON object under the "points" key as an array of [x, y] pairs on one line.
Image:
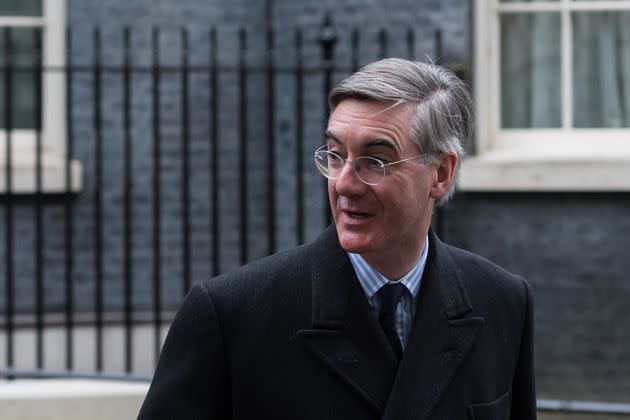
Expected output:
{"points": [[383, 160], [370, 163], [334, 159]]}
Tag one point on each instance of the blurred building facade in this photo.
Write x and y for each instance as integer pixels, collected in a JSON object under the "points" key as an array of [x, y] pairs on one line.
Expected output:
{"points": [[544, 192]]}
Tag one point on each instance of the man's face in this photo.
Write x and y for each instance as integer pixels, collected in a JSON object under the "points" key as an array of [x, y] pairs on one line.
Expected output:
{"points": [[390, 219]]}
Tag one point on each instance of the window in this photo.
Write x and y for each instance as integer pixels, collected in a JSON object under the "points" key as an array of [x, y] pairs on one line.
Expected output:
{"points": [[552, 92], [32, 34]]}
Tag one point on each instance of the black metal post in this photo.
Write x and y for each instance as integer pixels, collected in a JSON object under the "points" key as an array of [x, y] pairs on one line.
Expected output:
{"points": [[214, 150], [243, 173], [438, 212], [8, 177], [271, 178], [185, 185], [98, 195], [437, 42], [327, 39], [157, 193], [39, 229], [299, 135], [411, 44], [69, 209], [127, 206], [354, 40], [382, 43]]}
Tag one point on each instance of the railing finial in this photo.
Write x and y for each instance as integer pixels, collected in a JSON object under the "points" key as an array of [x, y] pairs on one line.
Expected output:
{"points": [[327, 37]]}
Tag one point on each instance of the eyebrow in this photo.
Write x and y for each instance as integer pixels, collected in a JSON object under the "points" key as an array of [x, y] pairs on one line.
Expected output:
{"points": [[370, 143]]}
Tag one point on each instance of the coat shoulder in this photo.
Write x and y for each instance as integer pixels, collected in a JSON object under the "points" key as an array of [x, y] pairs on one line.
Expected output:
{"points": [[285, 272], [260, 282], [482, 275]]}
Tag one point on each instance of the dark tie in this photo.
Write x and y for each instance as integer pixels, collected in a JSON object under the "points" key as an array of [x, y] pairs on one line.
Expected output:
{"points": [[391, 294]]}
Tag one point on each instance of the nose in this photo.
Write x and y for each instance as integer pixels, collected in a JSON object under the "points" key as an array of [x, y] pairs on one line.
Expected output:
{"points": [[348, 182]]}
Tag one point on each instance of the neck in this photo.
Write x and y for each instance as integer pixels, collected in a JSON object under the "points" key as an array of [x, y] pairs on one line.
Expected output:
{"points": [[394, 267]]}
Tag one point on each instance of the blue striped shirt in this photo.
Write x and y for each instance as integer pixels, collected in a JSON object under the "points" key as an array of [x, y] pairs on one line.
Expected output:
{"points": [[371, 281]]}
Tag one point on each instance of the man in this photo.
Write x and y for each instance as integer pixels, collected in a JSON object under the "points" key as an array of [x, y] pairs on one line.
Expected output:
{"points": [[377, 318]]}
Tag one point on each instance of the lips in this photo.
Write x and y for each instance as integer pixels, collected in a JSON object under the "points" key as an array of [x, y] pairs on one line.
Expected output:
{"points": [[357, 215]]}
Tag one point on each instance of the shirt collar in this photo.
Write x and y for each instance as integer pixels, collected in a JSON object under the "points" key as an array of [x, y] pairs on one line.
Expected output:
{"points": [[371, 280]]}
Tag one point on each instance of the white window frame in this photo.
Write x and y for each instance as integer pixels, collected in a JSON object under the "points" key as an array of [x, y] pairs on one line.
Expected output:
{"points": [[562, 159], [53, 136]]}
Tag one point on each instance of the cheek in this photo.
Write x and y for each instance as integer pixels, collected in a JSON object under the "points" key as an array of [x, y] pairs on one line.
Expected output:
{"points": [[408, 204], [332, 194]]}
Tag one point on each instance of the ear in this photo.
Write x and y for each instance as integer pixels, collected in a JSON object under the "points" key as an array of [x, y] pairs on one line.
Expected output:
{"points": [[445, 175]]}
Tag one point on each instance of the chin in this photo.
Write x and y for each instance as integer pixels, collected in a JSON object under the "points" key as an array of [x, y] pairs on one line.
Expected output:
{"points": [[355, 243]]}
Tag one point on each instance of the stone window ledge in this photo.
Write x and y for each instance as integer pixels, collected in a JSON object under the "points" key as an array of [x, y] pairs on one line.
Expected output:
{"points": [[509, 173], [53, 175]]}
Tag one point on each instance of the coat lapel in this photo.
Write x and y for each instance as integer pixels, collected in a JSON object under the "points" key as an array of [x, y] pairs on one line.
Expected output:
{"points": [[347, 339], [345, 336], [440, 338]]}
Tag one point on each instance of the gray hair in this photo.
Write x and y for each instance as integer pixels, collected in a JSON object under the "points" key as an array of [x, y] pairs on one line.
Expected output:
{"points": [[443, 117]]}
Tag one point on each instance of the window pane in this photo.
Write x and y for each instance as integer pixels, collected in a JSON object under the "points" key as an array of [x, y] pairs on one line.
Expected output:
{"points": [[22, 77], [530, 70], [601, 69], [21, 7]]}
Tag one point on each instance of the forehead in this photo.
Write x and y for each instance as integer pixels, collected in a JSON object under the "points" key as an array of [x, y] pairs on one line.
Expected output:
{"points": [[364, 121]]}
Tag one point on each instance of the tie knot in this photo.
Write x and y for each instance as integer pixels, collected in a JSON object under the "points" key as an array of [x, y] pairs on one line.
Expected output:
{"points": [[391, 292]]}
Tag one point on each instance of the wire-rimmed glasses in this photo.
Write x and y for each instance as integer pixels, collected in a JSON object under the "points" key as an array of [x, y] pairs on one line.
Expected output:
{"points": [[370, 170]]}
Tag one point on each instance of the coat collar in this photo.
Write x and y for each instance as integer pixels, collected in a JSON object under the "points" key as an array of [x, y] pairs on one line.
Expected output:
{"points": [[442, 334], [347, 338]]}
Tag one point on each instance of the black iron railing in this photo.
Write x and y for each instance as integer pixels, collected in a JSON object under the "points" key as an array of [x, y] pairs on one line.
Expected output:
{"points": [[167, 151]]}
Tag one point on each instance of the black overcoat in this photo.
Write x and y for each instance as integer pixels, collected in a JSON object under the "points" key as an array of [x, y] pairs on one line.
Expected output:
{"points": [[291, 336]]}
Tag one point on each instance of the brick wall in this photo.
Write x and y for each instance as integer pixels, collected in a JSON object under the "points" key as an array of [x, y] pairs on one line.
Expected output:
{"points": [[572, 248]]}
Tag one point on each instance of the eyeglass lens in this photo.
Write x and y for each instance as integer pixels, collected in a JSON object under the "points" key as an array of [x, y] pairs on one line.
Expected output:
{"points": [[369, 170]]}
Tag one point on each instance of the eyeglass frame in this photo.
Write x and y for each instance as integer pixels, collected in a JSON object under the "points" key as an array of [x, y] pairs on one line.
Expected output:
{"points": [[384, 165]]}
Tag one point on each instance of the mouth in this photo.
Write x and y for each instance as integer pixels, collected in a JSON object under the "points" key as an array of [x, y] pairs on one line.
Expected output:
{"points": [[357, 215]]}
